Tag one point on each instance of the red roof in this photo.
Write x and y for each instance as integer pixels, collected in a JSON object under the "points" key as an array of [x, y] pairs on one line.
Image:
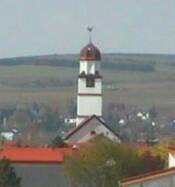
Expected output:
{"points": [[171, 149], [9, 144], [34, 155]]}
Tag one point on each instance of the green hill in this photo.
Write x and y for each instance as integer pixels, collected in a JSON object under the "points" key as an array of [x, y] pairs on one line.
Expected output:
{"points": [[133, 79], [133, 62]]}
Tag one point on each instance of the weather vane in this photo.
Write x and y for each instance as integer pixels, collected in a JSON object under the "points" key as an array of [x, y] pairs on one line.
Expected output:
{"points": [[90, 29]]}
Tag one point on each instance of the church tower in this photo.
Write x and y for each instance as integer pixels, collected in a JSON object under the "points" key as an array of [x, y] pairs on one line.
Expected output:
{"points": [[89, 97]]}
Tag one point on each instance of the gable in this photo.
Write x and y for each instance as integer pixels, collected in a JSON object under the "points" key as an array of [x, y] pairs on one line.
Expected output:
{"points": [[89, 129]]}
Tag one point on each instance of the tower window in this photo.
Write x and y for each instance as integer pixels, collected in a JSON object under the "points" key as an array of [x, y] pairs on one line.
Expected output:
{"points": [[90, 82]]}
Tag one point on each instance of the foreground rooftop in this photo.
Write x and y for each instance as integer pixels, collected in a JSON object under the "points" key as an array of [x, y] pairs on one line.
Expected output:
{"points": [[34, 155]]}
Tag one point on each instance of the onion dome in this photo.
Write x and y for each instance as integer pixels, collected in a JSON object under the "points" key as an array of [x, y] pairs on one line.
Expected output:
{"points": [[90, 53]]}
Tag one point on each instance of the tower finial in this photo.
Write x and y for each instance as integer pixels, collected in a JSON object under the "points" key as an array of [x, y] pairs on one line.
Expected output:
{"points": [[90, 29]]}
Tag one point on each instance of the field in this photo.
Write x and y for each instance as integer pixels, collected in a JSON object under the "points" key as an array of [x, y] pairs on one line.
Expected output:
{"points": [[56, 85], [26, 84]]}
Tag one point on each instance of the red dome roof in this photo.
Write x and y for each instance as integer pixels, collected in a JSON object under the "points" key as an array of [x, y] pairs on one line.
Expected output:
{"points": [[90, 53]]}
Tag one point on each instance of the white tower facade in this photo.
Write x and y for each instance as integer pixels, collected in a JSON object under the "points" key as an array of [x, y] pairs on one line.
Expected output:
{"points": [[89, 97]]}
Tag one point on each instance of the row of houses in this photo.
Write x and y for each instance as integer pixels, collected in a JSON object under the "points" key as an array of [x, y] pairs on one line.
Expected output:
{"points": [[42, 167]]}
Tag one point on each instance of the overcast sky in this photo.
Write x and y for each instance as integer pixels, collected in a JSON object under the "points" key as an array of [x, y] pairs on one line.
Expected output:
{"points": [[34, 27]]}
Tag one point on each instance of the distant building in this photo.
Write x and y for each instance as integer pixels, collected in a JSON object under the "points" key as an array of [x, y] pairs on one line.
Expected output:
{"points": [[171, 156], [70, 120], [7, 135]]}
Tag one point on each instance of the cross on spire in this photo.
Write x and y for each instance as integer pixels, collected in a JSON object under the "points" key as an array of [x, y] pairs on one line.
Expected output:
{"points": [[90, 29]]}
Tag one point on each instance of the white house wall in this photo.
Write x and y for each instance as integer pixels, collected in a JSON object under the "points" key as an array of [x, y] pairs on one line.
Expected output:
{"points": [[166, 181], [107, 133], [171, 160]]}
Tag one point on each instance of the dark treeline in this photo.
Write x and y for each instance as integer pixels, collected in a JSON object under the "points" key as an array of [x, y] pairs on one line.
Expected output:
{"points": [[130, 66], [117, 64]]}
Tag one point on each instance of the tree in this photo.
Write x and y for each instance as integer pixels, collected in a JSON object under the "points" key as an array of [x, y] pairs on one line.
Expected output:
{"points": [[152, 162], [155, 154], [51, 121], [8, 176], [102, 163], [58, 142], [153, 113], [72, 107]]}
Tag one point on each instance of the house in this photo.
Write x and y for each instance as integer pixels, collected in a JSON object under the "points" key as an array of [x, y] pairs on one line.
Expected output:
{"points": [[90, 128], [161, 178], [171, 156], [70, 120], [38, 167], [7, 135]]}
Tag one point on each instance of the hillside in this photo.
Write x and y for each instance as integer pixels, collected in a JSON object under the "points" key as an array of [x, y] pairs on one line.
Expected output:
{"points": [[132, 79], [138, 62]]}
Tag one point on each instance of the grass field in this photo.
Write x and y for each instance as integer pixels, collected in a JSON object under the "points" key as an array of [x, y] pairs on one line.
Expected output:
{"points": [[18, 85]]}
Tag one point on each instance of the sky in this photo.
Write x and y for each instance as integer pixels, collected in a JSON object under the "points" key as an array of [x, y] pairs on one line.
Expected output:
{"points": [[37, 27]]}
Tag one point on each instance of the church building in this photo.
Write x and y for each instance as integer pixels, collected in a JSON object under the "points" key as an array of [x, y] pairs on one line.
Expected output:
{"points": [[89, 121]]}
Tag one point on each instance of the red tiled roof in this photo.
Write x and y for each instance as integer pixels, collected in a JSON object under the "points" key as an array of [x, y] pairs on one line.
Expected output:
{"points": [[140, 146], [170, 148], [34, 155], [147, 176], [9, 144]]}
